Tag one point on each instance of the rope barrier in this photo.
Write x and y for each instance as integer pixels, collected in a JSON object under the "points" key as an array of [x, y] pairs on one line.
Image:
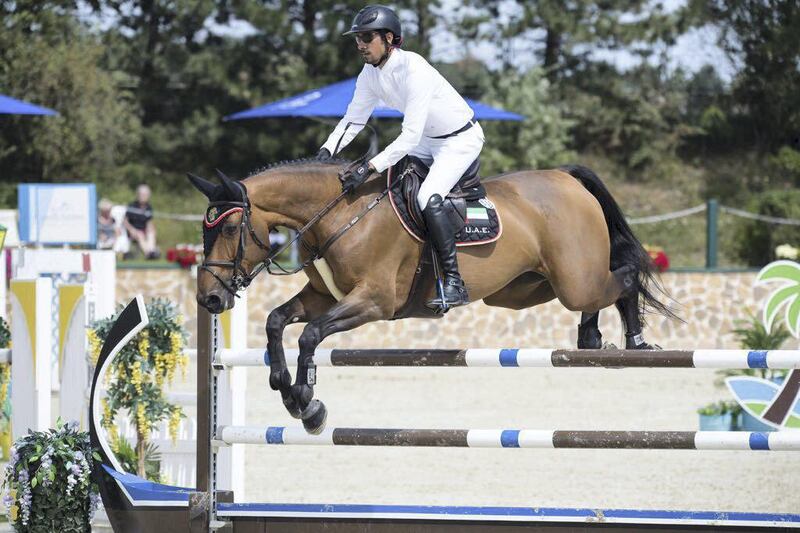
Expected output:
{"points": [[652, 219]]}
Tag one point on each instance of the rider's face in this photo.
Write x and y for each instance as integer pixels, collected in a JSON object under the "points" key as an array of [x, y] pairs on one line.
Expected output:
{"points": [[371, 46]]}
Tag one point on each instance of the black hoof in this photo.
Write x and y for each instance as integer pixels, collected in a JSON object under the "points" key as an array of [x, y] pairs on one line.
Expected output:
{"points": [[637, 343], [314, 417], [292, 406]]}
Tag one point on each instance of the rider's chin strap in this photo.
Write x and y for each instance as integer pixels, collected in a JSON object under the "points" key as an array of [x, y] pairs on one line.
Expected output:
{"points": [[388, 50]]}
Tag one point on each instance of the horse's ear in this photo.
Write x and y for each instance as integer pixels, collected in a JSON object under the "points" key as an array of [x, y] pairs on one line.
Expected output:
{"points": [[202, 185], [232, 190]]}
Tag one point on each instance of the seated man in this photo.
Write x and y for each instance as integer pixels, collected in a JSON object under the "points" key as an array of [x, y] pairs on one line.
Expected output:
{"points": [[139, 222]]}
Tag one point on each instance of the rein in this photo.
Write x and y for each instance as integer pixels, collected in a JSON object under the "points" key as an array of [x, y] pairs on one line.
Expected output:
{"points": [[241, 279]]}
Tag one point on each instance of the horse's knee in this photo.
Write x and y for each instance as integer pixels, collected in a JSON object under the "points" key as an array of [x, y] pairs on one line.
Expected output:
{"points": [[276, 321], [310, 338]]}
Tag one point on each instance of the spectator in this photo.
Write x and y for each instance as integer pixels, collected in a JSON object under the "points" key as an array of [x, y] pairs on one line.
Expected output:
{"points": [[107, 229], [139, 222]]}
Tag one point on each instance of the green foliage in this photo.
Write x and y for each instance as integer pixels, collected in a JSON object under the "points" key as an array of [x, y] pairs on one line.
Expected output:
{"points": [[540, 141], [129, 458], [753, 335], [755, 241], [97, 128], [762, 38], [786, 165], [722, 407], [5, 334], [48, 482]]}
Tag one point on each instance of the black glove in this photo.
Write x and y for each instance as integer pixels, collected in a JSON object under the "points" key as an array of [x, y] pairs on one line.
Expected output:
{"points": [[323, 154], [354, 176]]}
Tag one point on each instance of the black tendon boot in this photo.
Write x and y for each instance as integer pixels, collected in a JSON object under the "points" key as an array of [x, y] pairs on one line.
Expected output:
{"points": [[444, 242], [628, 307], [589, 336]]}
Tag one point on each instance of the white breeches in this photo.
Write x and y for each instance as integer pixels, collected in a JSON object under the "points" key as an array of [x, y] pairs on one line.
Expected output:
{"points": [[449, 159]]}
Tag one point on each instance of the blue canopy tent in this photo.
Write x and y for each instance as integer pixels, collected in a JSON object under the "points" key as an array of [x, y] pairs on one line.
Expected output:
{"points": [[12, 106], [332, 100]]}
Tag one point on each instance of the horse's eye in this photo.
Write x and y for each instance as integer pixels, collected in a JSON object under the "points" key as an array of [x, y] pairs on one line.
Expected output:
{"points": [[230, 230]]}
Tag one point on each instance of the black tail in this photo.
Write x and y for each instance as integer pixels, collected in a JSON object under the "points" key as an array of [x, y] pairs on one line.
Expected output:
{"points": [[625, 247]]}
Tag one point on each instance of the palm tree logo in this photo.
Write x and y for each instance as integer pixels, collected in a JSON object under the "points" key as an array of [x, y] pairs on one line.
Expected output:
{"points": [[775, 404]]}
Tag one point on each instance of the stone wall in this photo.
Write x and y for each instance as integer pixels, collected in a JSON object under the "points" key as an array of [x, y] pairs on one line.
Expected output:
{"points": [[709, 303]]}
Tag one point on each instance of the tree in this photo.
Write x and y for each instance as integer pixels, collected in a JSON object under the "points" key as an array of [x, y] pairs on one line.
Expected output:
{"points": [[541, 140], [563, 34], [48, 57], [761, 37]]}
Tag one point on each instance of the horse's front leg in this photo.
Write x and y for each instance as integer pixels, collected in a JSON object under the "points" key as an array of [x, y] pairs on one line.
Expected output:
{"points": [[359, 307], [302, 307]]}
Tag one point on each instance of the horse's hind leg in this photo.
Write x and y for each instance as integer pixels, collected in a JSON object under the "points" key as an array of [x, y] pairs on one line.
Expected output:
{"points": [[589, 336], [302, 307], [628, 306]]}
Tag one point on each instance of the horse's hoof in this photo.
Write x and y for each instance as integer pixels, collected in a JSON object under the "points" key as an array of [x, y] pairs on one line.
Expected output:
{"points": [[314, 417], [292, 406], [644, 346]]}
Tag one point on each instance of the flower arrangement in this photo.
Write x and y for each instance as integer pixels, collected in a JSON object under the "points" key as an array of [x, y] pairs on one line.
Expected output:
{"points": [[659, 257], [787, 251], [48, 484], [135, 382], [185, 255]]}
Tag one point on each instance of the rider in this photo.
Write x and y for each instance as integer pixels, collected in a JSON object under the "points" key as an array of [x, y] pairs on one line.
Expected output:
{"points": [[438, 128]]}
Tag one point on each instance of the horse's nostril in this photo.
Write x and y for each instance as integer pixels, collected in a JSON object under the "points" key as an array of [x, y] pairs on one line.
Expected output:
{"points": [[213, 303]]}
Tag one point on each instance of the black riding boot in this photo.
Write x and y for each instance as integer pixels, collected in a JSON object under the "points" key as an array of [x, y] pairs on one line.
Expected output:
{"points": [[444, 242]]}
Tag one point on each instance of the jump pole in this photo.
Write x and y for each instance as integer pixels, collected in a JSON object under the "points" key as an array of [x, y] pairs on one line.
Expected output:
{"points": [[524, 358], [135, 505], [217, 508]]}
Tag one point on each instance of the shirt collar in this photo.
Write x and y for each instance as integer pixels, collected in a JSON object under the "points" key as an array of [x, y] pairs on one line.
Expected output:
{"points": [[392, 62]]}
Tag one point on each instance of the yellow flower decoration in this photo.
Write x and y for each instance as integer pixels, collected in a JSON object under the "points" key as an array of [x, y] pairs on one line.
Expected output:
{"points": [[136, 376], [174, 423], [95, 345], [142, 424], [144, 345], [6, 376]]}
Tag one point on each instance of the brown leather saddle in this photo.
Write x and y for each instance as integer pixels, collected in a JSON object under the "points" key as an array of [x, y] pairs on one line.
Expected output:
{"points": [[474, 218]]}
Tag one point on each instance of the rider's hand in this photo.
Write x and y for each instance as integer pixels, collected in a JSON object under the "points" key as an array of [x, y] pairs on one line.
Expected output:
{"points": [[323, 154], [355, 176]]}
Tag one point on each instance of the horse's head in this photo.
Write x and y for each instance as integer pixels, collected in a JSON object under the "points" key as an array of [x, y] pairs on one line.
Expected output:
{"points": [[234, 243]]}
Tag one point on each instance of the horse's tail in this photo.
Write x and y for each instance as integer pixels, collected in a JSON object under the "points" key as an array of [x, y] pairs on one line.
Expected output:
{"points": [[625, 247]]}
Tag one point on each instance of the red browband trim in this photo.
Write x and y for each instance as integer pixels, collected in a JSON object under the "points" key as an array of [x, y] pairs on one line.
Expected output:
{"points": [[222, 217]]}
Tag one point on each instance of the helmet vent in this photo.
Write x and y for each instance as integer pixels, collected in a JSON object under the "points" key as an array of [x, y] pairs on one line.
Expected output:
{"points": [[369, 17]]}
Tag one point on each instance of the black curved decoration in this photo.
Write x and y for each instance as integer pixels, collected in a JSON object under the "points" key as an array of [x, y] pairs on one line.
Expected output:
{"points": [[133, 504]]}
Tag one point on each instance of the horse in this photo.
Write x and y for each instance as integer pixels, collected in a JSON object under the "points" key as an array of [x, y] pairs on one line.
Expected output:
{"points": [[564, 237]]}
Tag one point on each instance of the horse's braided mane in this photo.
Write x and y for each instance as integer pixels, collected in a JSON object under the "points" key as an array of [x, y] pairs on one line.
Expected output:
{"points": [[301, 161]]}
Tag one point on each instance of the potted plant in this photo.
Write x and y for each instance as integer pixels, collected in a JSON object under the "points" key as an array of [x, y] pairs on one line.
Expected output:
{"points": [[48, 484], [753, 335], [719, 416], [136, 382]]}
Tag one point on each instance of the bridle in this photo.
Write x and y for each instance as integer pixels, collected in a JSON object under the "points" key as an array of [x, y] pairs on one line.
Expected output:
{"points": [[240, 278]]}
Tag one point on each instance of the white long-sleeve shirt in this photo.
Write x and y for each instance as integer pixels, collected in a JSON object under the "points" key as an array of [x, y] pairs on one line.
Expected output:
{"points": [[408, 83]]}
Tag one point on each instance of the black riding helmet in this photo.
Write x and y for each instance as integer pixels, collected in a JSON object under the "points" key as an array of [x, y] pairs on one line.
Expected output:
{"points": [[376, 18]]}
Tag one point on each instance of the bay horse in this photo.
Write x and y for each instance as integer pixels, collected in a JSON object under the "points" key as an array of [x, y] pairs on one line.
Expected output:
{"points": [[564, 237]]}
